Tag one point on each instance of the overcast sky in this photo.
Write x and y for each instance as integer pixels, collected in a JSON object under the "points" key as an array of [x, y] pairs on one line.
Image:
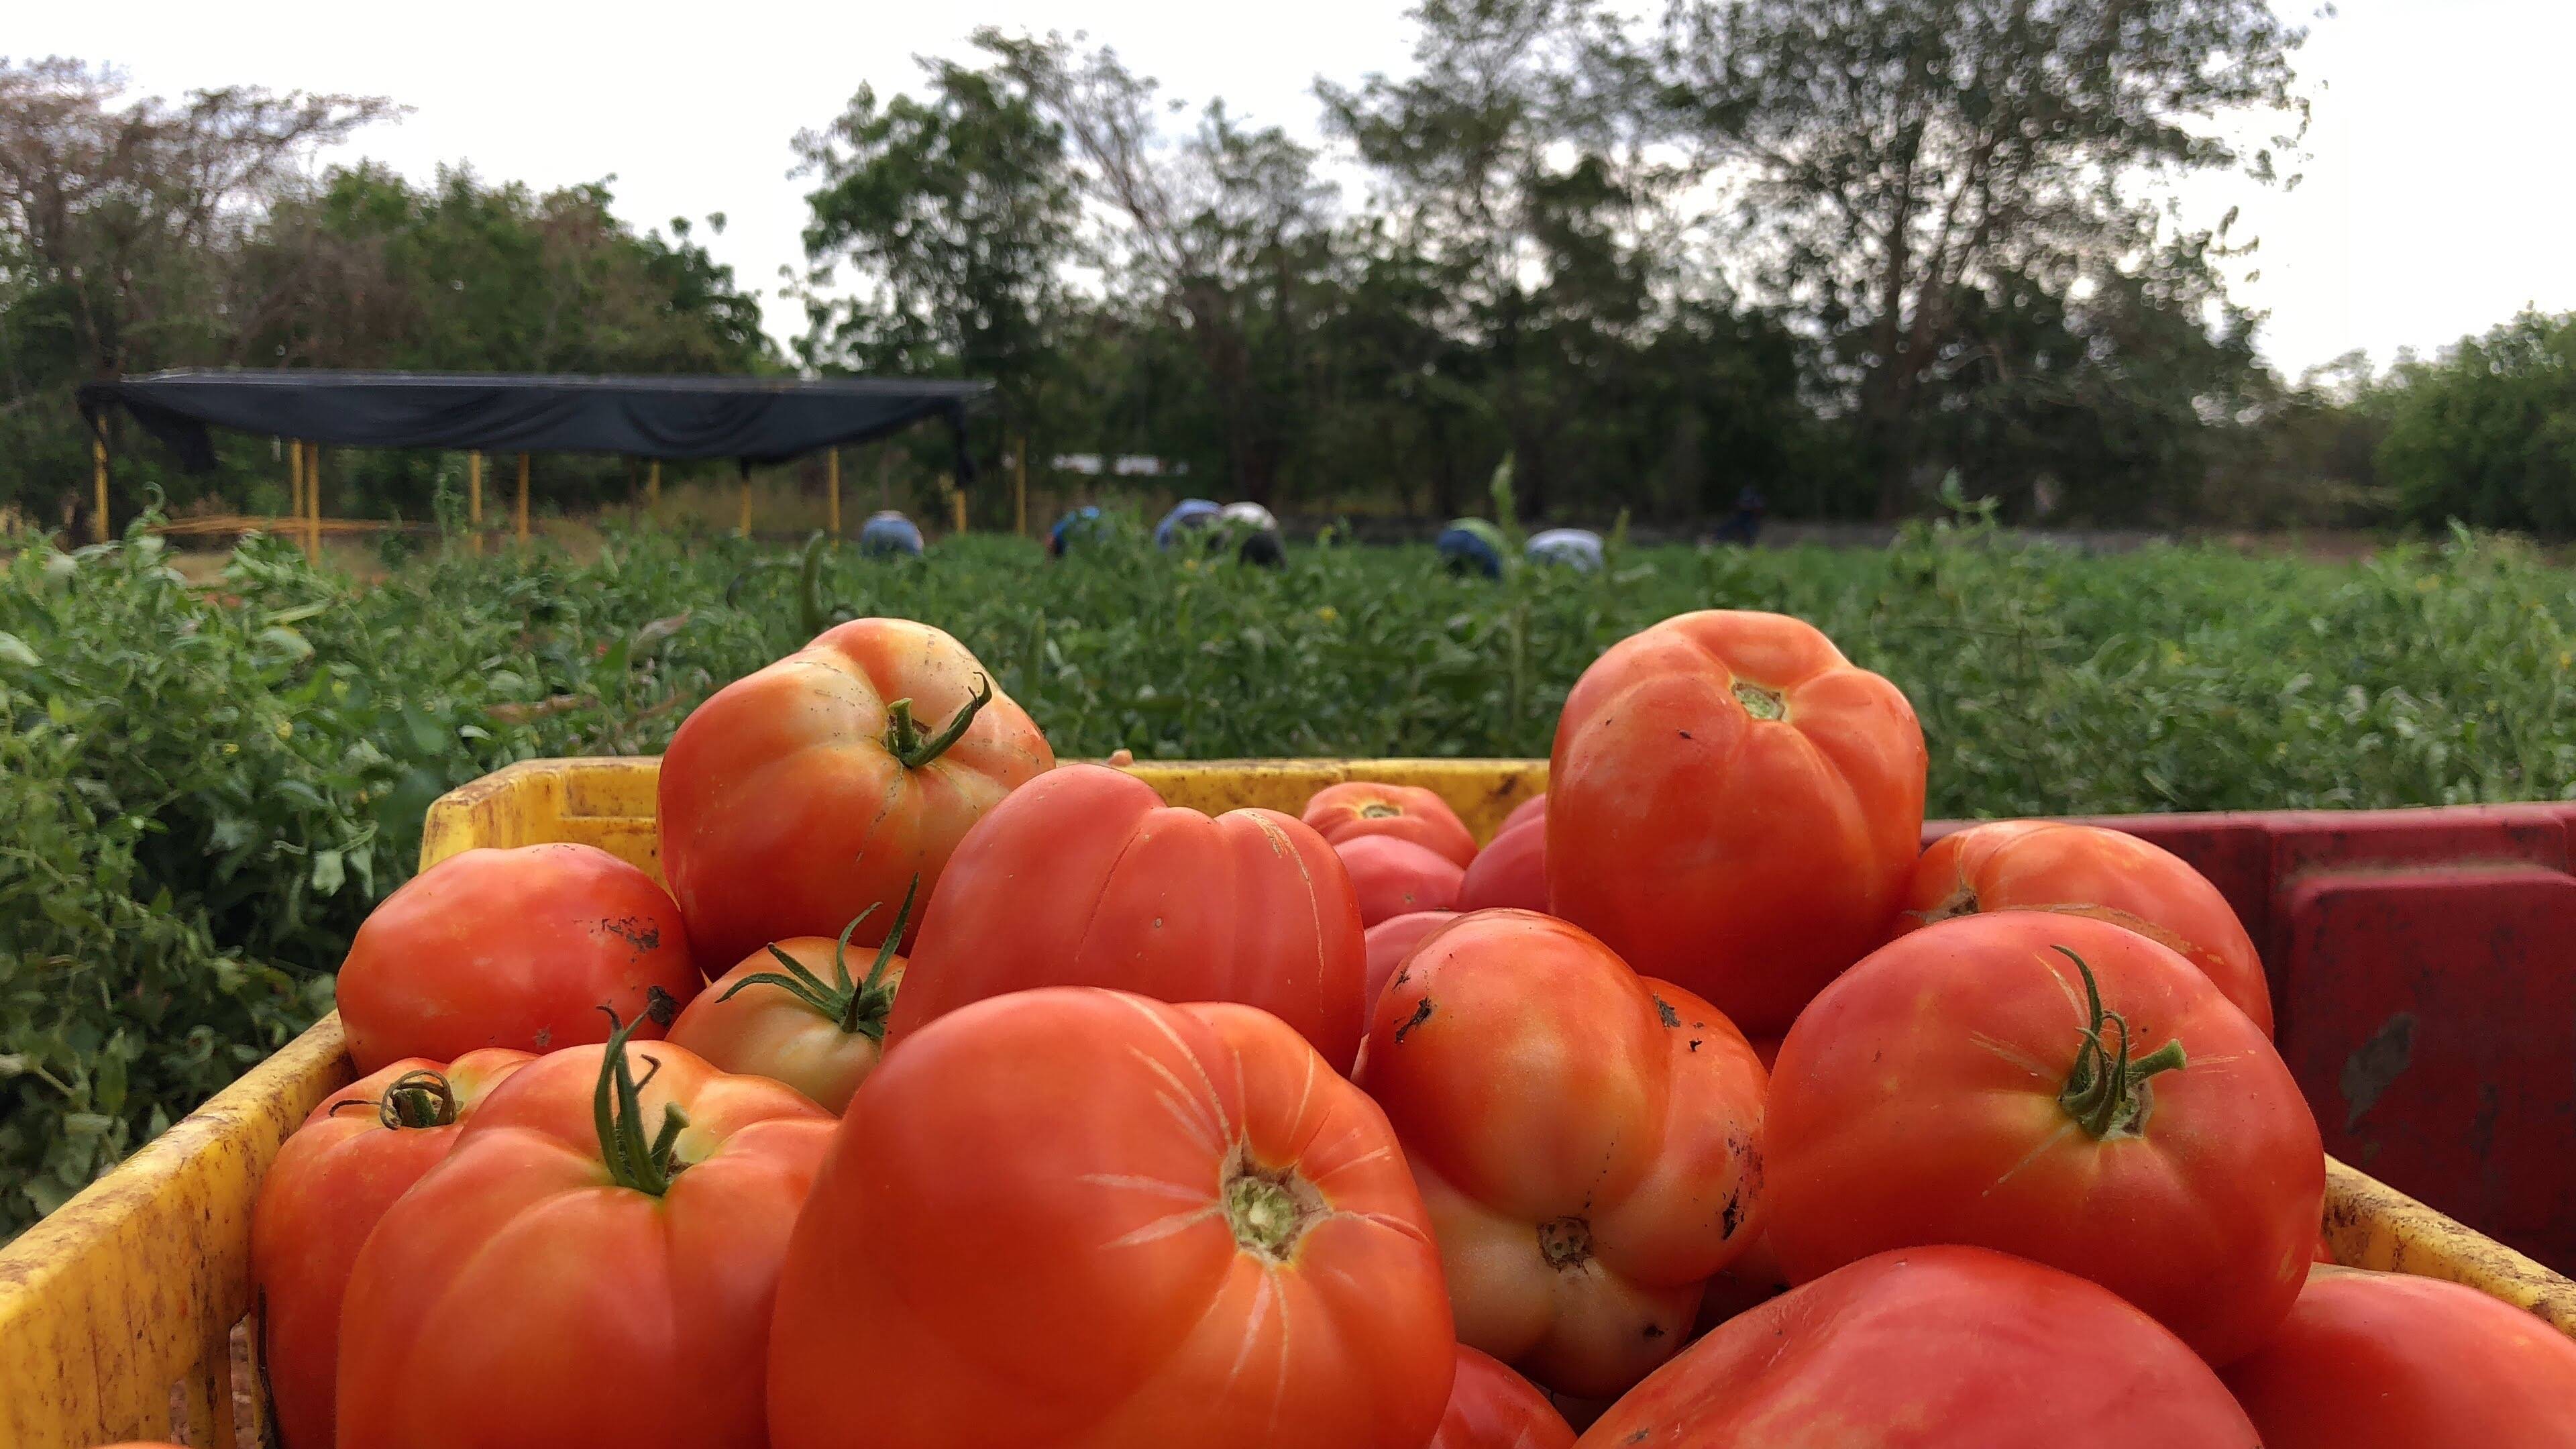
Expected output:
{"points": [[2438, 196]]}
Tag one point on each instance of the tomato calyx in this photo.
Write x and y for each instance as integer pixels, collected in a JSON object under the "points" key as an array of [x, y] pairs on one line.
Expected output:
{"points": [[412, 1101], [1764, 704], [911, 747], [617, 1108], [1268, 1208], [1379, 810], [2106, 1092], [860, 1007]]}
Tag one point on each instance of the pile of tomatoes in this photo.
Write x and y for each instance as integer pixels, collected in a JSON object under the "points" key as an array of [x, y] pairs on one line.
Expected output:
{"points": [[953, 1097]]}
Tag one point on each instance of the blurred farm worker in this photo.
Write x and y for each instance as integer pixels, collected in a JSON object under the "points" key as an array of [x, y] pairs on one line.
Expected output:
{"points": [[888, 533], [1471, 546], [1578, 548]]}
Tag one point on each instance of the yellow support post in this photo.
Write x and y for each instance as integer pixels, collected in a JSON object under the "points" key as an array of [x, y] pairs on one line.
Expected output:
{"points": [[744, 527], [294, 479], [1020, 487], [523, 499], [474, 497], [832, 473], [98, 463], [956, 501], [313, 502]]}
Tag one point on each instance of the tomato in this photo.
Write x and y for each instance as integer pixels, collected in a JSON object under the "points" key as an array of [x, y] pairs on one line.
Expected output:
{"points": [[1392, 877], [1490, 1407], [1964, 1084], [357, 1152], [1589, 1143], [1511, 871], [1085, 1219], [2388, 1361], [1732, 807], [1533, 808], [594, 1263], [1084, 878], [1391, 940], [2325, 1251], [794, 1012], [803, 793], [1934, 1348], [2085, 870], [1753, 1279], [1357, 809], [511, 948]]}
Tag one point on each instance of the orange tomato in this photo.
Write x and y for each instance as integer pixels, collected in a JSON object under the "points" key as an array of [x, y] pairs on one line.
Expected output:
{"points": [[2085, 870], [363, 1147], [2388, 1361], [1086, 1219], [2058, 1088], [799, 795], [594, 1263], [1733, 807], [1084, 878], [1391, 877], [794, 1012], [1589, 1143], [1490, 1407], [1356, 809], [512, 948], [1511, 871]]}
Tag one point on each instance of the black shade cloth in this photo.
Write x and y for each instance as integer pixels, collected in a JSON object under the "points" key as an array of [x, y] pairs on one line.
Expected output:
{"points": [[754, 419]]}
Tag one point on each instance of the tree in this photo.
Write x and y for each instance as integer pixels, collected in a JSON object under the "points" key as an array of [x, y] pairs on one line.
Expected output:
{"points": [[1224, 232], [958, 214], [2487, 434], [1895, 161]]}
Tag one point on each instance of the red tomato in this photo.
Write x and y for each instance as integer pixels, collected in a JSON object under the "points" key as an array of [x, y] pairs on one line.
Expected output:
{"points": [[1357, 809], [1753, 1279], [1392, 877], [1490, 1407], [803, 793], [594, 1263], [1391, 940], [794, 1012], [357, 1152], [1733, 807], [2325, 1252], [1084, 878], [1510, 872], [1934, 1348], [1961, 1085], [2388, 1361], [1087, 1219], [2085, 870], [511, 948], [1589, 1143], [1533, 808]]}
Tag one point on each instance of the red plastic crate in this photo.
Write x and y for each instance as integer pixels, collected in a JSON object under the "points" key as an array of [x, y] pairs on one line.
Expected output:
{"points": [[2423, 972]]}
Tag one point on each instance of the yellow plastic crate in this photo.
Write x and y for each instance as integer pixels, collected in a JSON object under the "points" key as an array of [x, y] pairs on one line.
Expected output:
{"points": [[123, 1315]]}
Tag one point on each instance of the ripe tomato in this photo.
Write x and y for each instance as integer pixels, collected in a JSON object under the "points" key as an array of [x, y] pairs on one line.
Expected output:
{"points": [[1732, 807], [511, 948], [1589, 1143], [1934, 1348], [1392, 877], [1391, 940], [1086, 1219], [1084, 878], [1356, 809], [2387, 1361], [2060, 1088], [594, 1263], [1533, 808], [803, 793], [1753, 1279], [2085, 870], [357, 1152], [1490, 1407], [1511, 871], [793, 1012]]}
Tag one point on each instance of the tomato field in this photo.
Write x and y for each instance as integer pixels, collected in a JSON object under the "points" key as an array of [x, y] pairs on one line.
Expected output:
{"points": [[204, 788]]}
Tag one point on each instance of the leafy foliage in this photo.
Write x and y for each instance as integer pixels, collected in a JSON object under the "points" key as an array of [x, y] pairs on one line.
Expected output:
{"points": [[2487, 435], [203, 791]]}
